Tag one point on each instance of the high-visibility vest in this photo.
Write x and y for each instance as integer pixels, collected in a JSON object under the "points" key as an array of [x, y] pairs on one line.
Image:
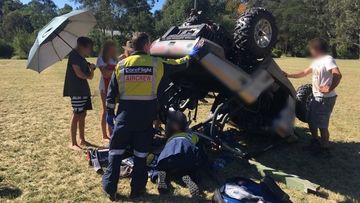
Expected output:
{"points": [[138, 77], [193, 138]]}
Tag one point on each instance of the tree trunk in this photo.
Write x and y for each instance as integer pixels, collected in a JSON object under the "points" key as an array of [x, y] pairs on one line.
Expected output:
{"points": [[359, 46], [333, 50]]}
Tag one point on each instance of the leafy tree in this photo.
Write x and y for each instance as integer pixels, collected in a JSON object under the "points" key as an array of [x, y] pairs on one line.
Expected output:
{"points": [[224, 12], [40, 12], [66, 9], [174, 12], [7, 6], [124, 16], [98, 38], [137, 17], [298, 21], [22, 43], [346, 14], [15, 22], [6, 50]]}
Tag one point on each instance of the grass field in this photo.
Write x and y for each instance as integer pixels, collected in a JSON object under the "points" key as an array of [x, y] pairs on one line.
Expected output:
{"points": [[36, 165]]}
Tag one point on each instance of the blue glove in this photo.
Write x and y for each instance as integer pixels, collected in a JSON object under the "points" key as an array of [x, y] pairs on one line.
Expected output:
{"points": [[110, 120], [197, 50]]}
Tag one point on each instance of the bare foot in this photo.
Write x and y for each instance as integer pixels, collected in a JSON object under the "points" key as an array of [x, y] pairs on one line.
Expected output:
{"points": [[75, 147], [106, 139]]}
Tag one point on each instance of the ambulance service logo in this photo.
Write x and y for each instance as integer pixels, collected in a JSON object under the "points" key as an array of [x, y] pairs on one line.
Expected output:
{"points": [[138, 74]]}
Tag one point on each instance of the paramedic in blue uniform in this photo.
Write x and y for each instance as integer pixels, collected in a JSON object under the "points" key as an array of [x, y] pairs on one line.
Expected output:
{"points": [[134, 87], [181, 157]]}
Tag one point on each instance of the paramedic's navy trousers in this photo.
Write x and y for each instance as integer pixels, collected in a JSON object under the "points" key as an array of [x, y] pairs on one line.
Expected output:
{"points": [[122, 137]]}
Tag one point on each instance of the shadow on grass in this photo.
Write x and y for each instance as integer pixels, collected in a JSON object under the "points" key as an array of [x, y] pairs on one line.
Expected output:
{"points": [[8, 191], [338, 173], [163, 198]]}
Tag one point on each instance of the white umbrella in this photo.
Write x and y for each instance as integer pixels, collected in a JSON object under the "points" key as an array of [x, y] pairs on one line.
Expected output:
{"points": [[58, 38]]}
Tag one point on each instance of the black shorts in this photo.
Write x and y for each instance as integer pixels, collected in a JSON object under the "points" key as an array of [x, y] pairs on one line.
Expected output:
{"points": [[80, 104]]}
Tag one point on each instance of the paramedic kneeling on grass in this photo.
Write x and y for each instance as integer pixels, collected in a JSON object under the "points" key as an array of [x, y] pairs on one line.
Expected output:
{"points": [[181, 156], [326, 77], [77, 88]]}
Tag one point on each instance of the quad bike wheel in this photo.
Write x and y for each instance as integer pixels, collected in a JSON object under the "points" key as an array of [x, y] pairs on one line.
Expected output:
{"points": [[304, 96], [255, 34]]}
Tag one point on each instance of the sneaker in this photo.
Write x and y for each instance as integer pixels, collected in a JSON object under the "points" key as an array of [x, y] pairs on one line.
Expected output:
{"points": [[137, 194], [162, 186], [191, 185]]}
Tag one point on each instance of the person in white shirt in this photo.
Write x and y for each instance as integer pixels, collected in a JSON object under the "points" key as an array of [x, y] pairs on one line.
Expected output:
{"points": [[106, 62], [326, 77]]}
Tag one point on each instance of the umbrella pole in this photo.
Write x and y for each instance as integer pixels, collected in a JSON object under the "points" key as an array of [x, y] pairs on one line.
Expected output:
{"points": [[64, 41], [69, 45]]}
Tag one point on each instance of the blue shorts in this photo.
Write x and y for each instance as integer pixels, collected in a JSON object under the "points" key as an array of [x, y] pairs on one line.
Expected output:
{"points": [[320, 111]]}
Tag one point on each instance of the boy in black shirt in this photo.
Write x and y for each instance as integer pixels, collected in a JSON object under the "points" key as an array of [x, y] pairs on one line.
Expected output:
{"points": [[77, 88]]}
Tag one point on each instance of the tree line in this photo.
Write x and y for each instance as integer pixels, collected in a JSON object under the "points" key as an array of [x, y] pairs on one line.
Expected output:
{"points": [[19, 24], [298, 21]]}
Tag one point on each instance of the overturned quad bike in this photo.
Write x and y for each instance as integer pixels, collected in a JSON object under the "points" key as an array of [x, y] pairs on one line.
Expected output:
{"points": [[250, 90]]}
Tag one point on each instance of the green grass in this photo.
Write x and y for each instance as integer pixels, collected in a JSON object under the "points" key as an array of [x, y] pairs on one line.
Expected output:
{"points": [[36, 166]]}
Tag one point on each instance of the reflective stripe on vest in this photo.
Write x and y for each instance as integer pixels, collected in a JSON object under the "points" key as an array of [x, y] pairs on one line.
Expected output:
{"points": [[154, 81], [121, 78], [122, 84]]}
